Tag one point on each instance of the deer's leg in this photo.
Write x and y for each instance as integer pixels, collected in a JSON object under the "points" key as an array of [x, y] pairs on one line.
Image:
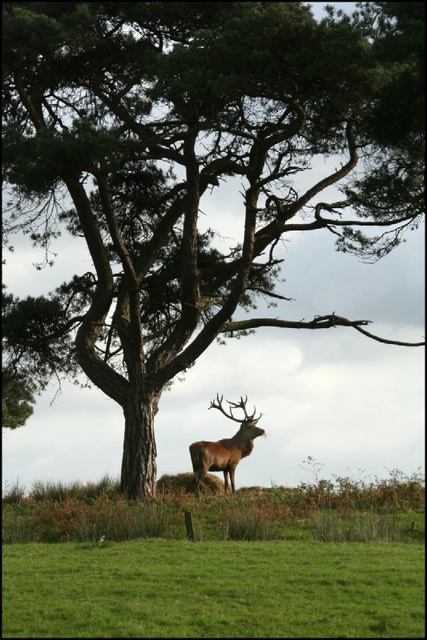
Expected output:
{"points": [[198, 475], [196, 483], [225, 481], [202, 473], [232, 470]]}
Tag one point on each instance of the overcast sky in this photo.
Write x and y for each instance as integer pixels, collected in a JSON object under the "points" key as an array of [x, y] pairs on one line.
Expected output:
{"points": [[353, 404]]}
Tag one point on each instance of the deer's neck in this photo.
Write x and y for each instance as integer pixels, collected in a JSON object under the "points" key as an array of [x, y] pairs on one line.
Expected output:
{"points": [[244, 444]]}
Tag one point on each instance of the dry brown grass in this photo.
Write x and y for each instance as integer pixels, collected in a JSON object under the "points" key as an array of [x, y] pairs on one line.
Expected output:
{"points": [[183, 483], [54, 512]]}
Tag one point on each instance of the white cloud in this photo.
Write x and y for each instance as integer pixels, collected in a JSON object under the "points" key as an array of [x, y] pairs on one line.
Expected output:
{"points": [[21, 277]]}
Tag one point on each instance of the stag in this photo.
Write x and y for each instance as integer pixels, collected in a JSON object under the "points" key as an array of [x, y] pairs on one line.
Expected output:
{"points": [[225, 454]]}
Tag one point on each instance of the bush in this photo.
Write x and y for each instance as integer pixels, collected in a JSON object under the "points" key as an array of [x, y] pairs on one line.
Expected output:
{"points": [[19, 526], [340, 510], [355, 527], [248, 523], [120, 521], [13, 494], [56, 491], [59, 491]]}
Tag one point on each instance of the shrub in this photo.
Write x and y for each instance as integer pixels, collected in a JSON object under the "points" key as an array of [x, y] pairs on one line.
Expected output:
{"points": [[120, 521], [248, 523], [56, 491], [355, 527], [59, 491], [13, 494], [19, 526], [339, 510]]}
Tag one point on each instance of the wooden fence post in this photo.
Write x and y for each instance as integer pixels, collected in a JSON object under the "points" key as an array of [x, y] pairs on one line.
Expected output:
{"points": [[189, 526]]}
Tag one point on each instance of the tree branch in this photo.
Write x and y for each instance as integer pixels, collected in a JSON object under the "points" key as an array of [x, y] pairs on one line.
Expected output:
{"points": [[35, 114], [329, 222], [102, 375], [319, 322], [114, 229], [278, 226], [211, 329], [190, 292]]}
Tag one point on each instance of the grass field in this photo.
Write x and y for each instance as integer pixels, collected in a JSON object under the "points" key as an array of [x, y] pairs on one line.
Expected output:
{"points": [[175, 588]]}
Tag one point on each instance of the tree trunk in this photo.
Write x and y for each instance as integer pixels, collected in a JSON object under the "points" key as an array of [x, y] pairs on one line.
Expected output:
{"points": [[139, 467]]}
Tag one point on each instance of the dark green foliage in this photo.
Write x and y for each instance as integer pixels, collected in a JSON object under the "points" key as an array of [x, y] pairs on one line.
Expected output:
{"points": [[399, 113], [394, 182], [36, 344], [17, 400], [226, 66]]}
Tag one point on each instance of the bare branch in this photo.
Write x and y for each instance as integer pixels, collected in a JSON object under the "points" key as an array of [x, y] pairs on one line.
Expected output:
{"points": [[319, 322], [385, 341], [278, 226], [270, 294]]}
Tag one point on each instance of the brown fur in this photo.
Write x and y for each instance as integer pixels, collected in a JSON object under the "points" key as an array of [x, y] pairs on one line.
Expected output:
{"points": [[223, 455]]}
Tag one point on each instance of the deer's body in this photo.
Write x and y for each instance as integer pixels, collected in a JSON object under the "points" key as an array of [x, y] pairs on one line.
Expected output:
{"points": [[225, 454]]}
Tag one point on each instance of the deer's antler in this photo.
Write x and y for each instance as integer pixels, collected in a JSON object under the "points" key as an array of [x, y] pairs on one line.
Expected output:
{"points": [[236, 405]]}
